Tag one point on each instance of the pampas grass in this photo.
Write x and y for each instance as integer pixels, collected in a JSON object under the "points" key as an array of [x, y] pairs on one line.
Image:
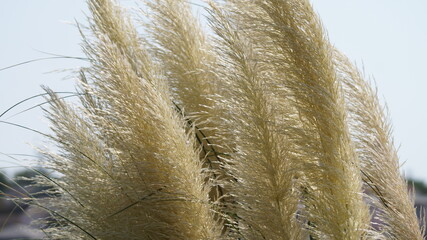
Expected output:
{"points": [[261, 161], [333, 205], [380, 166], [256, 128]]}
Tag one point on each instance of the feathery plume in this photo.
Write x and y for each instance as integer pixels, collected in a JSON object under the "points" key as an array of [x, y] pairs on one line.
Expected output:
{"points": [[333, 201], [261, 162], [142, 174], [184, 52], [298, 131], [371, 132]]}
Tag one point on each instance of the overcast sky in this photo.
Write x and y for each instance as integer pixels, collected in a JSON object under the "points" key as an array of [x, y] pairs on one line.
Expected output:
{"points": [[387, 37]]}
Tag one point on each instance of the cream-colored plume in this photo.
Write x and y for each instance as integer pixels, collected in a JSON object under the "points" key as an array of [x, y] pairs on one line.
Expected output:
{"points": [[333, 203], [184, 52], [265, 132], [380, 163], [266, 203], [126, 155]]}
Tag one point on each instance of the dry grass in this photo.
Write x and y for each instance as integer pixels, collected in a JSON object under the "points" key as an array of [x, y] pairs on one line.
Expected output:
{"points": [[257, 129]]}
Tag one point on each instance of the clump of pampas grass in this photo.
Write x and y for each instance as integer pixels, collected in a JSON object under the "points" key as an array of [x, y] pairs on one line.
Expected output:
{"points": [[257, 129]]}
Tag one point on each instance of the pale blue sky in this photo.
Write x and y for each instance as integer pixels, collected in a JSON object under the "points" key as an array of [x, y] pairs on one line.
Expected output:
{"points": [[387, 37]]}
